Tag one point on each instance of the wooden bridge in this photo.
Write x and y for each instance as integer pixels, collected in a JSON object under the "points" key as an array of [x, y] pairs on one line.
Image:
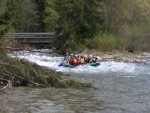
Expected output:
{"points": [[36, 39]]}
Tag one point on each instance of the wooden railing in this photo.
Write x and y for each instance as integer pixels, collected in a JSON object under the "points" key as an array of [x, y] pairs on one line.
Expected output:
{"points": [[32, 38]]}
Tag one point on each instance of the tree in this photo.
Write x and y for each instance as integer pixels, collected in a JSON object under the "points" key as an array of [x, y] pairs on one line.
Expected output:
{"points": [[27, 19], [78, 20], [51, 16], [41, 4], [8, 11], [9, 17], [2, 23], [129, 19], [120, 13], [3, 4]]}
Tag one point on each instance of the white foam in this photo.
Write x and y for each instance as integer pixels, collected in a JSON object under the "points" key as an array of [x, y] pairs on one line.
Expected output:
{"points": [[47, 60]]}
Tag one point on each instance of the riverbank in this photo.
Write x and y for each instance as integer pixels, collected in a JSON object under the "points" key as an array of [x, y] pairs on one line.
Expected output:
{"points": [[121, 56]]}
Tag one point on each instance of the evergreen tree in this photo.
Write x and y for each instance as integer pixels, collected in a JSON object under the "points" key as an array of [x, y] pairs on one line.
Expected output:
{"points": [[78, 20], [9, 16], [2, 21], [51, 16], [41, 4], [8, 10], [3, 4], [27, 19]]}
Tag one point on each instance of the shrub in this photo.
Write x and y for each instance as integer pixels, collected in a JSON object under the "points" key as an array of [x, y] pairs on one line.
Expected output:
{"points": [[105, 41]]}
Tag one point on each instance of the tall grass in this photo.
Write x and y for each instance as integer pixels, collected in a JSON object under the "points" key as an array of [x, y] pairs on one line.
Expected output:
{"points": [[133, 38], [105, 41]]}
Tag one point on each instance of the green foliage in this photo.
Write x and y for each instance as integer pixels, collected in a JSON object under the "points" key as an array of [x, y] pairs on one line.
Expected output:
{"points": [[105, 41], [8, 10], [78, 19], [41, 5], [81, 46], [133, 38], [129, 19], [3, 4], [10, 13], [27, 18], [3, 54], [74, 21], [51, 17]]}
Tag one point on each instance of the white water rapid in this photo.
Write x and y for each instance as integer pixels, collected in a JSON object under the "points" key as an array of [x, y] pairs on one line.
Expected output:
{"points": [[106, 68]]}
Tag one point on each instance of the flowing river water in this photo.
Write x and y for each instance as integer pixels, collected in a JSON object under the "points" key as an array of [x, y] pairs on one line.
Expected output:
{"points": [[119, 88]]}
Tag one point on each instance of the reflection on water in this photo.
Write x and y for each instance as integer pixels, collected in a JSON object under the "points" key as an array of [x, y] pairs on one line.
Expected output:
{"points": [[119, 88]]}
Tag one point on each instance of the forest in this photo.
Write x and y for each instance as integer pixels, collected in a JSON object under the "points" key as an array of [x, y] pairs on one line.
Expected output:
{"points": [[79, 24]]}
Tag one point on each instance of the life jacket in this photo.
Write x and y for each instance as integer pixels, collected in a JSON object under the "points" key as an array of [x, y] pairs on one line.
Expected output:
{"points": [[82, 61], [75, 61], [87, 59], [71, 60], [78, 59], [68, 60]]}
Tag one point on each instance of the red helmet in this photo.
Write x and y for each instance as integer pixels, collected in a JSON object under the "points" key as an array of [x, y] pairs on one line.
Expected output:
{"points": [[67, 53]]}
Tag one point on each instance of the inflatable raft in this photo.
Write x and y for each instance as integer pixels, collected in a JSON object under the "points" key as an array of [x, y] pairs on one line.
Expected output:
{"points": [[72, 66]]}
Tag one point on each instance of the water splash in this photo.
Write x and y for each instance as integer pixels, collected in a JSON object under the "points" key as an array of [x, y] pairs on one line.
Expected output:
{"points": [[109, 68]]}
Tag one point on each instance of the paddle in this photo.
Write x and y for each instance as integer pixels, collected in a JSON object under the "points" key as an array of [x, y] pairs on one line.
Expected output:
{"points": [[61, 64]]}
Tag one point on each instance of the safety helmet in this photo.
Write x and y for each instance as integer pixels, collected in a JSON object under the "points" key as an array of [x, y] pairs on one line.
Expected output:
{"points": [[68, 56], [71, 54], [76, 55], [90, 55], [67, 53]]}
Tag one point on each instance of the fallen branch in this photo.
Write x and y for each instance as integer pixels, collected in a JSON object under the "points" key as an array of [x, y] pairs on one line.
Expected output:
{"points": [[7, 75], [4, 80], [9, 84], [21, 78]]}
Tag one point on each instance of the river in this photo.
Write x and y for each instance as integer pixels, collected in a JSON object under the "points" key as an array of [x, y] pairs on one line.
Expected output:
{"points": [[119, 88]]}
